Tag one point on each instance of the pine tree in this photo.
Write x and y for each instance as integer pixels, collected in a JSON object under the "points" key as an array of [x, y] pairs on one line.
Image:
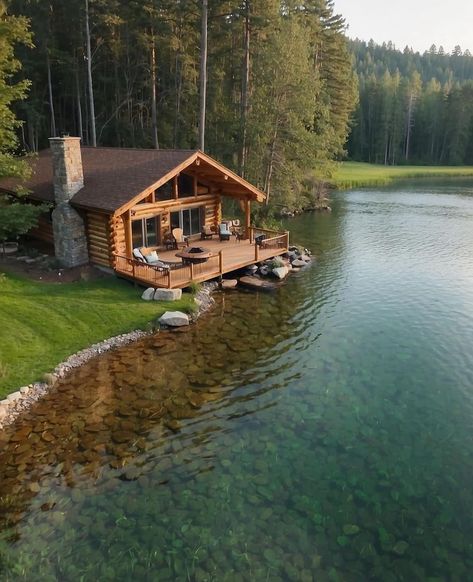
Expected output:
{"points": [[13, 30]]}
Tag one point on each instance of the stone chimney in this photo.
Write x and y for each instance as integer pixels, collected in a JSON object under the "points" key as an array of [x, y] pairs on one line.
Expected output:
{"points": [[70, 242]]}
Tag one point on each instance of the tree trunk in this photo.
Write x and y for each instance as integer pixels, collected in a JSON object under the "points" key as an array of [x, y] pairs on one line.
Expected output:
{"points": [[79, 106], [154, 115], [178, 80], [50, 93], [93, 133], [245, 89], [269, 171], [410, 110], [203, 75]]}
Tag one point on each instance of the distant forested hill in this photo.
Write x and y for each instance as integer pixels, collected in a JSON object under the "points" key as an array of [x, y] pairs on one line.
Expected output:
{"points": [[413, 108]]}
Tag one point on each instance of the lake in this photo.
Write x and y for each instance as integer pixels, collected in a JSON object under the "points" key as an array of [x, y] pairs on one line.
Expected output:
{"points": [[323, 432]]}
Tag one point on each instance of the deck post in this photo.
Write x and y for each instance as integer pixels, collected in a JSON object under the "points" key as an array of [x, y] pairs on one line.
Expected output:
{"points": [[248, 219], [287, 240], [169, 278], [220, 262], [128, 235], [191, 266], [256, 252]]}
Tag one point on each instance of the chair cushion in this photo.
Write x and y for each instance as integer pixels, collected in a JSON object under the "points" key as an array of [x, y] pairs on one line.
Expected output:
{"points": [[137, 254], [152, 257], [161, 265]]}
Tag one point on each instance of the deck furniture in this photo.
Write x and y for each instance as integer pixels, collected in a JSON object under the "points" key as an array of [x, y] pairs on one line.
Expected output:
{"points": [[150, 257], [207, 232], [224, 232], [179, 238], [238, 234], [194, 255], [259, 240], [169, 241]]}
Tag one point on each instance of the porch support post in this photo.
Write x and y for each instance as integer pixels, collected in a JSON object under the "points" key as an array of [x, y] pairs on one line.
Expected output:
{"points": [[128, 235], [194, 185], [247, 217], [175, 187]]}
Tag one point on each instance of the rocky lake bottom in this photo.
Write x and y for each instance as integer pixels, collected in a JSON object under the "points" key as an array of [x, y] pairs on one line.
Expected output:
{"points": [[321, 432]]}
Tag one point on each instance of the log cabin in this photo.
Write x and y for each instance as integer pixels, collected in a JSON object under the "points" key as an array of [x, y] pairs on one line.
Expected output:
{"points": [[107, 202]]}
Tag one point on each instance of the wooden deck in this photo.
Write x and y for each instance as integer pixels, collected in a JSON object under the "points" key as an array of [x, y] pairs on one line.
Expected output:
{"points": [[227, 256]]}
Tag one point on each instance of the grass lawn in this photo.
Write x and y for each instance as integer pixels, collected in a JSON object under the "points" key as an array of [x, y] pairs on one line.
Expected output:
{"points": [[358, 174], [41, 324]]}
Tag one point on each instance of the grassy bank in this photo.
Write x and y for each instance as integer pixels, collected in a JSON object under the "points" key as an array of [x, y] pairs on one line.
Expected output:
{"points": [[41, 324], [357, 174]]}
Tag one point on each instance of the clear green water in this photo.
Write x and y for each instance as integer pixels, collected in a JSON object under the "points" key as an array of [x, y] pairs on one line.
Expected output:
{"points": [[324, 432]]}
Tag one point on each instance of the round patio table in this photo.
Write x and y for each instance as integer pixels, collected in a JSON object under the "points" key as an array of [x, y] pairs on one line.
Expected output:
{"points": [[194, 255]]}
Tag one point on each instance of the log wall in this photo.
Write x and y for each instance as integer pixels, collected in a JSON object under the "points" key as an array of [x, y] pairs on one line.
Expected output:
{"points": [[99, 240]]}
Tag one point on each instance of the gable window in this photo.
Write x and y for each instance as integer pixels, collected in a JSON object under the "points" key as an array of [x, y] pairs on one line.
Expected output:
{"points": [[146, 232], [164, 192], [185, 185], [190, 220]]}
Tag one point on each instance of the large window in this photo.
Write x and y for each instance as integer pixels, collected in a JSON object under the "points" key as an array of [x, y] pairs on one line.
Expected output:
{"points": [[185, 185], [190, 220], [145, 232], [165, 191]]}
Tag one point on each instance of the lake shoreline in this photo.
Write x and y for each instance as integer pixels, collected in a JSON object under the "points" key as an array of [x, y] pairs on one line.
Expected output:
{"points": [[21, 400]]}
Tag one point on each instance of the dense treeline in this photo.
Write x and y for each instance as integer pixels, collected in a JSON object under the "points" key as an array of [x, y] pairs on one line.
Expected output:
{"points": [[280, 84], [413, 108]]}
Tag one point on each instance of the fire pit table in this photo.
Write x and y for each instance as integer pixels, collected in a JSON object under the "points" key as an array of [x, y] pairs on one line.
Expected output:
{"points": [[194, 255]]}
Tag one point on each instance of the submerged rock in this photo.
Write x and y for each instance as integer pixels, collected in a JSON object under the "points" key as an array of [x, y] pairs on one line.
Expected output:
{"points": [[400, 548], [299, 263], [229, 283], [256, 283]]}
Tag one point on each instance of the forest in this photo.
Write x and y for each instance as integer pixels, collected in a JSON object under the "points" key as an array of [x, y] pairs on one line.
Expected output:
{"points": [[413, 108], [265, 86], [272, 88]]}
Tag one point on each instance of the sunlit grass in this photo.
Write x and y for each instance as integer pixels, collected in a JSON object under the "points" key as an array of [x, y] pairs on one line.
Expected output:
{"points": [[358, 174]]}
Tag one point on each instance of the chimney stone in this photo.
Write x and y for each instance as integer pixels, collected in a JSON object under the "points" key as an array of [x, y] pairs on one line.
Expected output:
{"points": [[70, 241], [68, 176]]}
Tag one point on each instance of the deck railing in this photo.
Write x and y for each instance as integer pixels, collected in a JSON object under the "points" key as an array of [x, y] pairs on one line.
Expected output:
{"points": [[277, 243], [142, 271], [255, 231], [174, 277]]}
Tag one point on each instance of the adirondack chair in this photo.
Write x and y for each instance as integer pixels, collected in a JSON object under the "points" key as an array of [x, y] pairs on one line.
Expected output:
{"points": [[181, 240]]}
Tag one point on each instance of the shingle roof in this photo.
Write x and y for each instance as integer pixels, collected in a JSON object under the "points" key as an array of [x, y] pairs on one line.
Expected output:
{"points": [[112, 176]]}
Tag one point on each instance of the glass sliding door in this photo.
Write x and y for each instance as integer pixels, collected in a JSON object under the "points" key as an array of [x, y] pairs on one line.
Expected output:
{"points": [[146, 232], [190, 220], [151, 228]]}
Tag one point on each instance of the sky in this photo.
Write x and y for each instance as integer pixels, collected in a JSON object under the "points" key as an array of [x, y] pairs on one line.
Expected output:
{"points": [[416, 23]]}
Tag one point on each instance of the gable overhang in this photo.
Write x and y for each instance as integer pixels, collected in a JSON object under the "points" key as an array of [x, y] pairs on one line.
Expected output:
{"points": [[200, 164]]}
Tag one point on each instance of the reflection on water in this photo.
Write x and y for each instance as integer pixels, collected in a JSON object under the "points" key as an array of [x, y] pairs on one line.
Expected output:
{"points": [[321, 432]]}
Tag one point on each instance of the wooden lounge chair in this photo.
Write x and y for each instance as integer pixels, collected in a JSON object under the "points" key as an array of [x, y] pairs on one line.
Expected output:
{"points": [[224, 232], [150, 257]]}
